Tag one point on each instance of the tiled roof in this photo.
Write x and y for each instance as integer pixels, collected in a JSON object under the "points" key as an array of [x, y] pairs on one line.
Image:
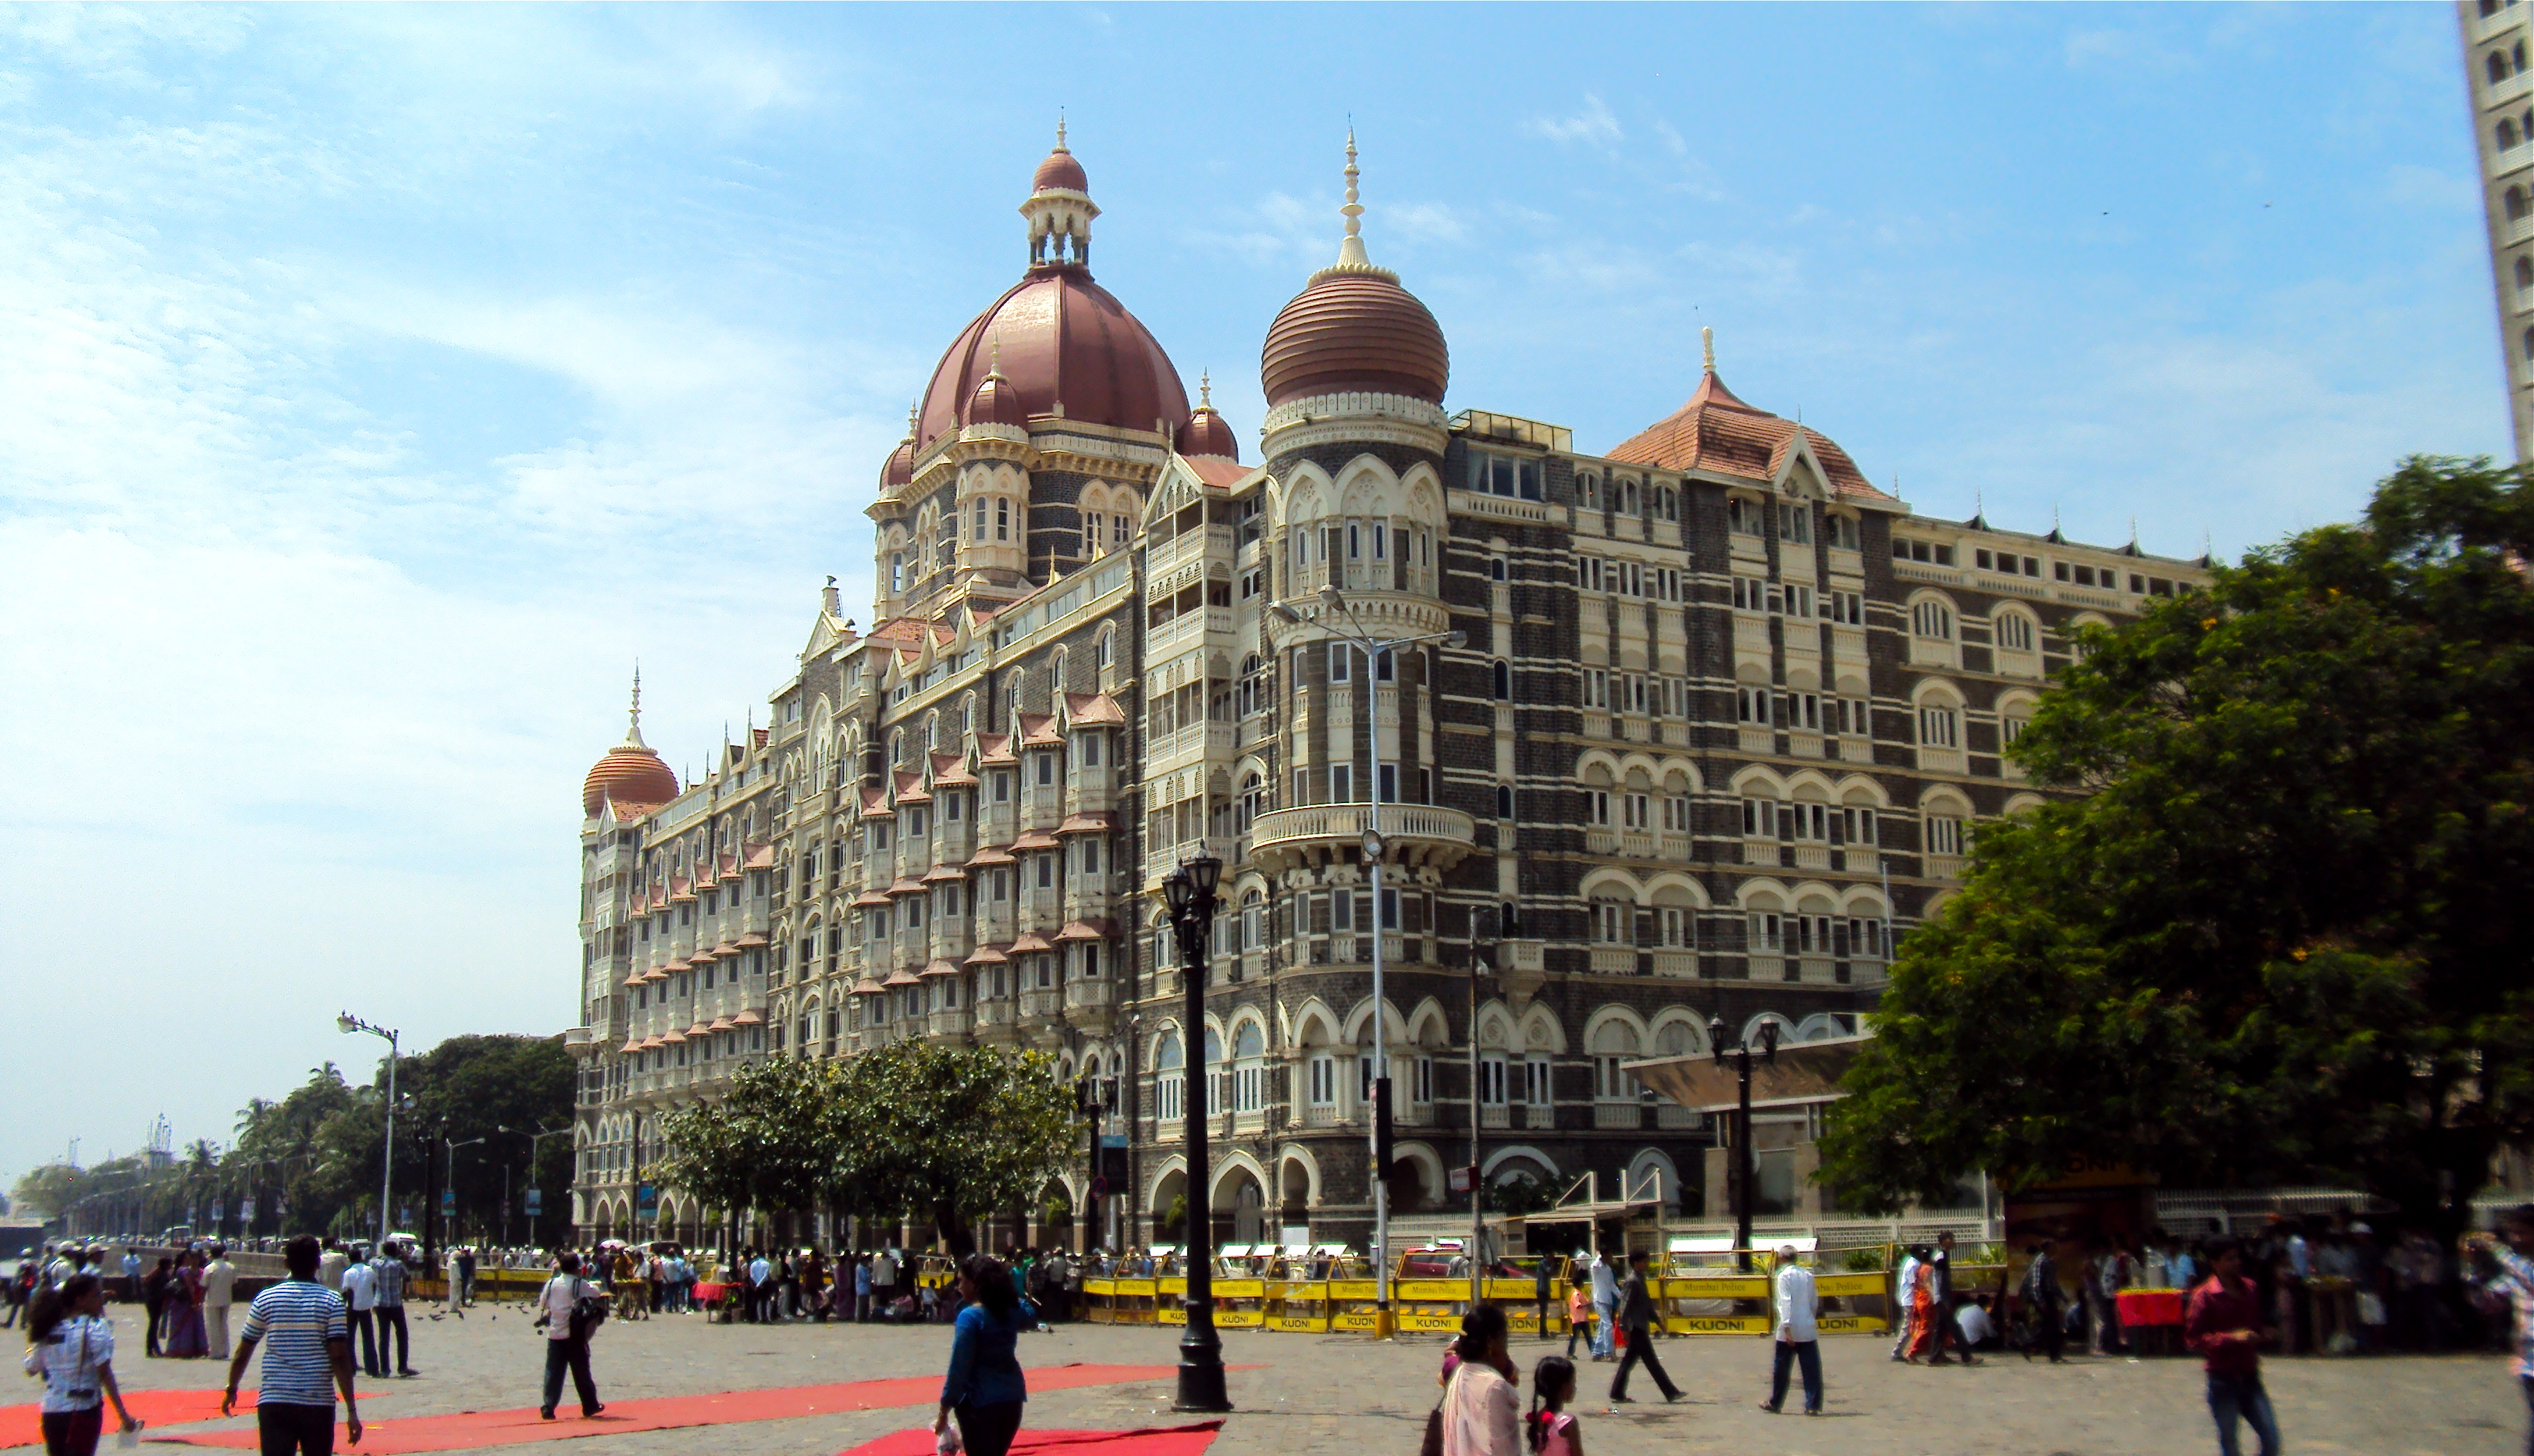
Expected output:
{"points": [[951, 772], [1719, 433], [876, 804], [748, 1019], [1097, 822], [901, 977], [704, 957], [720, 1023], [725, 950], [906, 886], [1215, 470], [869, 899], [1094, 711], [910, 787], [990, 855], [1036, 839], [1085, 930], [988, 956], [867, 986], [942, 968], [1029, 941], [753, 938], [672, 1038], [1038, 731], [995, 747], [760, 857], [945, 875]]}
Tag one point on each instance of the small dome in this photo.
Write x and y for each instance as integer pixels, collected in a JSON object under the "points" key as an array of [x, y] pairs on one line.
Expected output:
{"points": [[995, 402], [630, 773], [1059, 173], [1207, 433], [899, 467], [1354, 329]]}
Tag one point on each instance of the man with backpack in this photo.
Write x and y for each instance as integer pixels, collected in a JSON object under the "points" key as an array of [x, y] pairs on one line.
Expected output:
{"points": [[571, 1309]]}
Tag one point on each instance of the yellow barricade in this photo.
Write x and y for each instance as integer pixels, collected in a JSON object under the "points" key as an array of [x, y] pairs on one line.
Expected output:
{"points": [[1298, 1306], [1240, 1304], [1351, 1304], [1170, 1299]]}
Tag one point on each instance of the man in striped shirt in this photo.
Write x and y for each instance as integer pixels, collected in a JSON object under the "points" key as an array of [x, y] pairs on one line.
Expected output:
{"points": [[307, 1359]]}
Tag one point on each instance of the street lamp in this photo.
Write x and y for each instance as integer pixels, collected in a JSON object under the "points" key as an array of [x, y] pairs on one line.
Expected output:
{"points": [[1743, 1167], [533, 1138], [448, 1191], [1335, 606], [347, 1024], [1190, 892]]}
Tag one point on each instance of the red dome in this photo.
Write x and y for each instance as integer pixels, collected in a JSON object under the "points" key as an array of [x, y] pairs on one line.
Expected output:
{"points": [[1063, 339], [630, 773], [995, 402], [899, 469], [1060, 172], [1209, 434], [1355, 330]]}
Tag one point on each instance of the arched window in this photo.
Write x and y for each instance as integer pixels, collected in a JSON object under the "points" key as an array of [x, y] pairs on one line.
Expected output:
{"points": [[1253, 918], [1248, 1068], [2014, 631], [1497, 567], [1931, 618], [2506, 133], [2524, 275], [1503, 677], [1504, 801], [1170, 1077], [2529, 347], [1615, 1044], [1940, 725], [2496, 65]]}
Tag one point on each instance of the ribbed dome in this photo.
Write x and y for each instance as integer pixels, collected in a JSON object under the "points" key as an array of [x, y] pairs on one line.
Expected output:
{"points": [[1209, 434], [1063, 339], [628, 775], [995, 402], [1353, 331], [899, 469]]}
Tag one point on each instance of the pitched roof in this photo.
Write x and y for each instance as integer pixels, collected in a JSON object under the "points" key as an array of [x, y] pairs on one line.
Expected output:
{"points": [[1094, 711], [1215, 470], [1038, 731], [1715, 431]]}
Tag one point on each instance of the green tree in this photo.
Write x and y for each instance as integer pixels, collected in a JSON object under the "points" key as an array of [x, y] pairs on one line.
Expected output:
{"points": [[2282, 936], [953, 1134], [767, 1145], [52, 1190]]}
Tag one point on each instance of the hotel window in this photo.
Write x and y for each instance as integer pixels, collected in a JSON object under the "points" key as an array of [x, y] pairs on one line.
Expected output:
{"points": [[1504, 801], [1760, 818], [1750, 594], [1496, 475], [1856, 717], [1636, 810], [1932, 619], [1751, 706], [2010, 729], [1795, 523], [1324, 1081], [1677, 928], [1764, 934], [1944, 835], [1598, 804], [2015, 632], [1341, 661], [1904, 549], [1807, 821], [1502, 674], [1340, 783], [1745, 517], [1844, 534], [1610, 922], [1939, 727], [1676, 813], [1857, 826], [1491, 1078]]}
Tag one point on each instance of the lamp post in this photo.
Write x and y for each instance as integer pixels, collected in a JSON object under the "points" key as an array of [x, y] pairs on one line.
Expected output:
{"points": [[1335, 608], [347, 1024], [1477, 1201], [1190, 892], [533, 1138], [1743, 1168], [448, 1191]]}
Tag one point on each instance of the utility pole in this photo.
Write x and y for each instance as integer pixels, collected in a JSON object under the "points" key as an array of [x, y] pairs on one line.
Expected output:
{"points": [[1477, 1202], [1745, 1172], [1190, 892]]}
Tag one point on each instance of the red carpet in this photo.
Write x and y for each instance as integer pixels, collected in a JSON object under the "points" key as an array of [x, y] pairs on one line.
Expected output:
{"points": [[20, 1426], [472, 1429], [1165, 1441]]}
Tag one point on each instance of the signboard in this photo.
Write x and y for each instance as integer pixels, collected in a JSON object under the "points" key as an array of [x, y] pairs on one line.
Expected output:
{"points": [[1462, 1177], [536, 1201], [1112, 1140], [220, 1210], [449, 1202], [246, 1212], [646, 1201]]}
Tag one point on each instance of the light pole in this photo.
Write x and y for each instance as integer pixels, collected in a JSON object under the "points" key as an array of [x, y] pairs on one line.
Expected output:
{"points": [[534, 1138], [347, 1024], [1478, 1203], [448, 1191], [1190, 893], [1743, 1168], [1334, 607]]}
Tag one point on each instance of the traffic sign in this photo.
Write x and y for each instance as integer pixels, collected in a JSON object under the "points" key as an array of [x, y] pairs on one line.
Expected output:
{"points": [[536, 1199], [449, 1200]]}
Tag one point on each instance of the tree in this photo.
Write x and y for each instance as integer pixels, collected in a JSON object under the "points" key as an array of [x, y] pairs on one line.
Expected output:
{"points": [[953, 1133], [769, 1144], [2282, 936], [52, 1190]]}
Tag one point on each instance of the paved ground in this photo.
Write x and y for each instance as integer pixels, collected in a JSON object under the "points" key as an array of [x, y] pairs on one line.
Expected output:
{"points": [[1345, 1396]]}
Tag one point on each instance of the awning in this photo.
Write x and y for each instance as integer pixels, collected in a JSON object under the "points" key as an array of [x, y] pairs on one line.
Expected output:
{"points": [[1803, 1072], [1029, 941], [988, 956], [942, 968], [907, 887], [1084, 929], [1087, 824], [945, 875], [1037, 839], [989, 856], [901, 977], [748, 1019], [871, 900]]}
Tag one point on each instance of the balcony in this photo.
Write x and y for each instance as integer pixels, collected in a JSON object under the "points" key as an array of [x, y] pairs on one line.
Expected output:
{"points": [[1183, 745], [946, 1025], [1320, 1114], [1417, 834], [1819, 970], [1163, 562], [1761, 852], [1756, 740], [1161, 862], [994, 1022], [1206, 627], [1812, 856], [1627, 1116], [1495, 1115], [1090, 1005], [1679, 964], [1041, 1005], [1615, 960]]}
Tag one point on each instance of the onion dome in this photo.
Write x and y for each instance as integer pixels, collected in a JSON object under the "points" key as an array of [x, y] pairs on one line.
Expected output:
{"points": [[1063, 345], [1060, 172], [996, 402], [631, 774], [1207, 433], [899, 467], [1352, 329]]}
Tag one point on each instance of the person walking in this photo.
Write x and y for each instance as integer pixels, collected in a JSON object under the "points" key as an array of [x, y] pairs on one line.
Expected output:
{"points": [[131, 1275], [361, 1301], [1904, 1310], [984, 1387], [1940, 1283], [220, 1291], [1544, 1288], [1481, 1411], [862, 1289], [386, 1304], [571, 1309], [1579, 1314], [330, 1265], [466, 1271], [1793, 1305], [1605, 1303], [2224, 1322], [154, 1304], [1636, 1319], [883, 1277], [306, 1361], [2042, 1295], [70, 1345], [2512, 1279], [184, 1302]]}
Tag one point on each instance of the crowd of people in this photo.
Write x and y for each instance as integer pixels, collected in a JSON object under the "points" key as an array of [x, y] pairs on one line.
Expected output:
{"points": [[767, 1286]]}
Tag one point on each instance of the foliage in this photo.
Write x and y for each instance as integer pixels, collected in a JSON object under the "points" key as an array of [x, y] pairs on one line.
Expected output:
{"points": [[1519, 1194], [767, 1144], [1173, 1219], [2282, 936], [1864, 1260]]}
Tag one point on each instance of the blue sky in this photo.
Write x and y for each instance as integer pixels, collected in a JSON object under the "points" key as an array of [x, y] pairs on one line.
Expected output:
{"points": [[377, 384]]}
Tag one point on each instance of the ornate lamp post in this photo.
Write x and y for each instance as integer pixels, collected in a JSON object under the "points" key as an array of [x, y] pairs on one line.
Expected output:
{"points": [[347, 1024], [1190, 892], [1744, 1171]]}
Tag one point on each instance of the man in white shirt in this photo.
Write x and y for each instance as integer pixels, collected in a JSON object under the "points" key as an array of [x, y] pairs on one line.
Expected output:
{"points": [[1904, 1319], [219, 1281], [1973, 1322], [760, 1290], [567, 1341], [1606, 1304], [883, 1272], [362, 1300], [1793, 1306]]}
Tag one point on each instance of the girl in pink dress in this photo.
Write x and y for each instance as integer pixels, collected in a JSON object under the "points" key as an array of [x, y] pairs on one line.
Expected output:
{"points": [[1550, 1430]]}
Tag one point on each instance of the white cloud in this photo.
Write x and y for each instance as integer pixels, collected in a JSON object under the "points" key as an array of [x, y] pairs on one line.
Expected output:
{"points": [[1594, 125]]}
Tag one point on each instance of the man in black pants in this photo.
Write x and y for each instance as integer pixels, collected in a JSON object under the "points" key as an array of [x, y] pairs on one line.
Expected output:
{"points": [[1635, 1321], [567, 1338], [1948, 1333], [306, 1361], [2042, 1293]]}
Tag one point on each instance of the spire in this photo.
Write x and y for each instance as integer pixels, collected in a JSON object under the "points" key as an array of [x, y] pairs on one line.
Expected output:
{"points": [[1351, 258], [995, 347], [1205, 389], [634, 728], [1060, 133], [1707, 349]]}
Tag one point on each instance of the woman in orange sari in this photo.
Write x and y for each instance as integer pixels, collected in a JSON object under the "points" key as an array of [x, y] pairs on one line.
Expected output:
{"points": [[1923, 1309]]}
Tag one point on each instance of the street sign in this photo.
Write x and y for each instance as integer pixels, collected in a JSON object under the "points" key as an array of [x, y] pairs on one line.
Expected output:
{"points": [[449, 1200], [219, 1207], [1462, 1177], [536, 1199], [506, 1209], [646, 1201], [246, 1212], [1100, 1187], [1112, 1140]]}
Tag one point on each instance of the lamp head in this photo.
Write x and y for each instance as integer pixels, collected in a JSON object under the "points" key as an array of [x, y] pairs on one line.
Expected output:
{"points": [[346, 1025], [1285, 613], [1176, 891], [1716, 1035], [1769, 1039], [1331, 598], [1207, 872], [1456, 638]]}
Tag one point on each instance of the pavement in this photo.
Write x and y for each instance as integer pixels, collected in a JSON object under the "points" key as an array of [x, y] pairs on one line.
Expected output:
{"points": [[1343, 1395]]}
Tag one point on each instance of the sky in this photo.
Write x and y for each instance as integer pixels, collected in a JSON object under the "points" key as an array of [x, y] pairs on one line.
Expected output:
{"points": [[377, 384]]}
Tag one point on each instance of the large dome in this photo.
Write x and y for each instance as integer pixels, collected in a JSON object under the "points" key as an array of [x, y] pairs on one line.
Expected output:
{"points": [[631, 774], [1352, 329], [1063, 341]]}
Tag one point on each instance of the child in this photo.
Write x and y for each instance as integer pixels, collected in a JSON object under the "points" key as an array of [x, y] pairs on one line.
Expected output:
{"points": [[1579, 1313], [1551, 1432]]}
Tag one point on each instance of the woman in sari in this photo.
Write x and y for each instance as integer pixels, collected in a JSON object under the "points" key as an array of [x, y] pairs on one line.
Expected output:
{"points": [[1923, 1309], [185, 1336], [1481, 1411]]}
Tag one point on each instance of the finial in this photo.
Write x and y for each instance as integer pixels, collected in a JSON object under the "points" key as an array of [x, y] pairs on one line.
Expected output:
{"points": [[634, 725], [2132, 527], [1205, 389], [1706, 347], [913, 410], [1059, 129], [994, 355], [1351, 258]]}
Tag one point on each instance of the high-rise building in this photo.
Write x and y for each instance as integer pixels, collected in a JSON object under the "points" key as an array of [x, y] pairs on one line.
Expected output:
{"points": [[1719, 720], [2503, 127]]}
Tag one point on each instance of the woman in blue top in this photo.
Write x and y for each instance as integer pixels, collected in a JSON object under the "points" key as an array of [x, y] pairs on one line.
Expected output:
{"points": [[984, 1386]]}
